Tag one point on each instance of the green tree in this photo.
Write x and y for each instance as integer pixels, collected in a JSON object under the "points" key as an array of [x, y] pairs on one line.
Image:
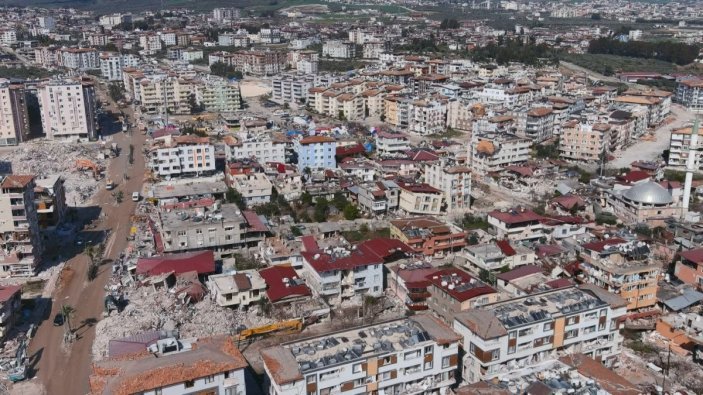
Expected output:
{"points": [[115, 91], [306, 198], [321, 209], [339, 201], [233, 196], [68, 312], [351, 212]]}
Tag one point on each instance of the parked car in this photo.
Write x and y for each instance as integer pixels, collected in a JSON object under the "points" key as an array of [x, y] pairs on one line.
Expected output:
{"points": [[58, 319]]}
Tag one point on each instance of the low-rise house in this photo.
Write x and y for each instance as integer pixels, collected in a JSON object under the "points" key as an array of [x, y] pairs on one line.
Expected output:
{"points": [[453, 291], [526, 280], [410, 284], [171, 366], [202, 262], [388, 143], [420, 199], [411, 355], [516, 224], [690, 268], [255, 188], [283, 286], [428, 236], [237, 290], [497, 255], [377, 197]]}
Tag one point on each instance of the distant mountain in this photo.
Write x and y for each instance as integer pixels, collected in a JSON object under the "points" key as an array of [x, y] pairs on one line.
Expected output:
{"points": [[105, 6]]}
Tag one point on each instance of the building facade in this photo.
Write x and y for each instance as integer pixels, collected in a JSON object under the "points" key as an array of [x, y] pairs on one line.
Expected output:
{"points": [[68, 110], [14, 121], [20, 237]]}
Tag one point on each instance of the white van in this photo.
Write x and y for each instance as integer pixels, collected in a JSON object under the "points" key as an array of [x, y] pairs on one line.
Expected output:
{"points": [[135, 196]]}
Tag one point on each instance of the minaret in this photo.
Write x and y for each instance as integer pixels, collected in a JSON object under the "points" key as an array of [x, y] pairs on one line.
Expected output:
{"points": [[690, 166]]}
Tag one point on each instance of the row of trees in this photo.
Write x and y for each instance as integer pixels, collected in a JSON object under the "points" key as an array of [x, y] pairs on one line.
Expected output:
{"points": [[516, 50], [225, 70], [668, 51]]}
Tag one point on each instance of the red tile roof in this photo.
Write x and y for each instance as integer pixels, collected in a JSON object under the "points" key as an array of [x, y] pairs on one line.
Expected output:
{"points": [[415, 277], [350, 150], [515, 216], [569, 201], [14, 181], [505, 247], [457, 278], [559, 283], [634, 176], [8, 291], [254, 221], [310, 244], [316, 140], [599, 246], [370, 252], [202, 262], [695, 256], [522, 271], [277, 289]]}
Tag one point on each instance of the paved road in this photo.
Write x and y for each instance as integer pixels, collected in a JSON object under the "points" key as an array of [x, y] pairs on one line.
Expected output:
{"points": [[64, 372]]}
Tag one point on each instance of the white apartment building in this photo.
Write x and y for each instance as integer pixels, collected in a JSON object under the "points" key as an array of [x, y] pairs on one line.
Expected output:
{"points": [[79, 58], [679, 146], [416, 355], [237, 290], [584, 142], [689, 93], [491, 152], [264, 150], [191, 54], [427, 117], [391, 143], [233, 40], [516, 224], [225, 14], [183, 155], [306, 66], [269, 36], [112, 20], [47, 22], [7, 37], [150, 43], [168, 37], [68, 110], [291, 89], [316, 152], [255, 188], [454, 182], [539, 124], [14, 120], [21, 243], [111, 64], [494, 256], [339, 49], [506, 336]]}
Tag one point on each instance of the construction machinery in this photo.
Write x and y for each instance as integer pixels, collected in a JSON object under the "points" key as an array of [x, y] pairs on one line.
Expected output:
{"points": [[290, 326], [85, 164], [19, 371]]}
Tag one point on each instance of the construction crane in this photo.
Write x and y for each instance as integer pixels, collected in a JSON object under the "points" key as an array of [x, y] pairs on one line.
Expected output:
{"points": [[85, 164], [19, 371], [290, 326]]}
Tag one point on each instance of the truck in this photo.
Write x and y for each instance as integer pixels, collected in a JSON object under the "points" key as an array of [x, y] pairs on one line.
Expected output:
{"points": [[109, 184]]}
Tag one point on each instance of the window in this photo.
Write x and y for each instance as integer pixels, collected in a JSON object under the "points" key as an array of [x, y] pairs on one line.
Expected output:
{"points": [[429, 349], [189, 383], [548, 326], [158, 391], [209, 379], [571, 334], [445, 362], [412, 354], [572, 320], [495, 355], [359, 382], [356, 368], [311, 379], [387, 360], [525, 332], [384, 376], [512, 335], [511, 349], [603, 312]]}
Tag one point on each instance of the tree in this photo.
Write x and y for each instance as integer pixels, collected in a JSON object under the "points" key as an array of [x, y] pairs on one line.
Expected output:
{"points": [[351, 212], [195, 107], [306, 198], [321, 209], [339, 201], [115, 91], [225, 70], [233, 196], [95, 255], [119, 196], [68, 312]]}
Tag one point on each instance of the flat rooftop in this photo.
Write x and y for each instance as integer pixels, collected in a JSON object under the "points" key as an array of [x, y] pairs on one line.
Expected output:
{"points": [[201, 186], [225, 213]]}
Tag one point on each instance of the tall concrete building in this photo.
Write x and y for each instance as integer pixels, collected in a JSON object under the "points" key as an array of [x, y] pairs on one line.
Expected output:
{"points": [[20, 241], [14, 123], [68, 110]]}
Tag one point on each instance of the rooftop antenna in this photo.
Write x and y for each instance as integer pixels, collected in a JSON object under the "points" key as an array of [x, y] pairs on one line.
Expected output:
{"points": [[690, 165]]}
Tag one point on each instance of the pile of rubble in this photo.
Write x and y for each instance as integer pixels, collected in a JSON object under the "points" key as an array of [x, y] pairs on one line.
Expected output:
{"points": [[150, 309], [46, 158]]}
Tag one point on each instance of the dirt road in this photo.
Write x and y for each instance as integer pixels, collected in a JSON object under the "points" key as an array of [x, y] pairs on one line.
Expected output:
{"points": [[67, 372]]}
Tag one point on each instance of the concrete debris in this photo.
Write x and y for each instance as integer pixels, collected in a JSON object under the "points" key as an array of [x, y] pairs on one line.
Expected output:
{"points": [[43, 158]]}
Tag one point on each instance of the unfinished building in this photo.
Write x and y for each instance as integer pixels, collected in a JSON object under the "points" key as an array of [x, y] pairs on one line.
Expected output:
{"points": [[20, 240]]}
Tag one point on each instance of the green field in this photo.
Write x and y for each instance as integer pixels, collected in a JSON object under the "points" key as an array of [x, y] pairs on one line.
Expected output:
{"points": [[617, 64]]}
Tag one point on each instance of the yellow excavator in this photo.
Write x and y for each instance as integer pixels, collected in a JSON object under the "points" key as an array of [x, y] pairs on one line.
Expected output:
{"points": [[290, 326]]}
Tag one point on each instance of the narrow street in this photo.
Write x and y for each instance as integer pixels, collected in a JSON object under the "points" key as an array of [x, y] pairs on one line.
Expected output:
{"points": [[66, 371]]}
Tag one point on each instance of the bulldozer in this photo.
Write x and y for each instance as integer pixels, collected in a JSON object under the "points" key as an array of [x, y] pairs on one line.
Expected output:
{"points": [[85, 164], [290, 326]]}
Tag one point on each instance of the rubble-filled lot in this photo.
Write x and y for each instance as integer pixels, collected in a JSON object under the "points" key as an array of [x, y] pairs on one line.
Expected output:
{"points": [[45, 158]]}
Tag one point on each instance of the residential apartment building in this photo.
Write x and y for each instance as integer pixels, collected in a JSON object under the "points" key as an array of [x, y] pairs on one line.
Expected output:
{"points": [[622, 268], [260, 63], [453, 291], [233, 40], [454, 182], [522, 332], [222, 228], [315, 152], [689, 93], [7, 37], [218, 94], [516, 224], [263, 149], [225, 14], [409, 283], [183, 155], [339, 49], [539, 124], [237, 290], [14, 120], [342, 274], [150, 43], [207, 365], [492, 152], [270, 35], [420, 199], [679, 146], [412, 355], [111, 64], [20, 239], [79, 58], [68, 109], [427, 117], [255, 188], [291, 89], [10, 308], [377, 197], [389, 143], [584, 142], [112, 20], [689, 268], [428, 236], [496, 255]]}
